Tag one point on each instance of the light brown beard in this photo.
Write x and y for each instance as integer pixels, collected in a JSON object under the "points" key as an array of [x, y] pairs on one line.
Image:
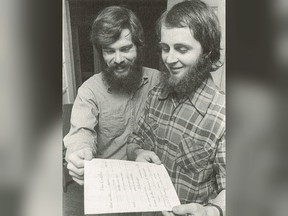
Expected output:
{"points": [[126, 84], [189, 83]]}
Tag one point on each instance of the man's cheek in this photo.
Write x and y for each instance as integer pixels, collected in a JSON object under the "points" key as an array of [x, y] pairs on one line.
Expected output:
{"points": [[131, 57], [108, 60]]}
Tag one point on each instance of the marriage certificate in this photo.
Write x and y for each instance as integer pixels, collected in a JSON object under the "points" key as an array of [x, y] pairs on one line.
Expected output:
{"points": [[117, 186]]}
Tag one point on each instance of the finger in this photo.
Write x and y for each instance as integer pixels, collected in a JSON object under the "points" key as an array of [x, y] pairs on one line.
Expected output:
{"points": [[80, 182], [77, 159], [142, 159], [186, 209], [155, 159], [78, 171], [76, 176]]}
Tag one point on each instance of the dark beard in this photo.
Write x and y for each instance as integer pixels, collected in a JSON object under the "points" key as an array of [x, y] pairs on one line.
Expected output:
{"points": [[189, 83], [125, 84]]}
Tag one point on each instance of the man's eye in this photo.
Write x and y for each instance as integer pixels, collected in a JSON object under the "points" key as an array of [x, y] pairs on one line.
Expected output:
{"points": [[108, 51], [165, 49], [126, 49], [182, 50]]}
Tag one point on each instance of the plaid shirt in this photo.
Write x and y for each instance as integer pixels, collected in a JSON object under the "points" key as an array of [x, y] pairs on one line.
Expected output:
{"points": [[189, 138]]}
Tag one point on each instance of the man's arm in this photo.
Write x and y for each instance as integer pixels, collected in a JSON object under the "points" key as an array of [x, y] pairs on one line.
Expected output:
{"points": [[81, 139], [133, 149], [220, 170], [215, 207], [138, 147]]}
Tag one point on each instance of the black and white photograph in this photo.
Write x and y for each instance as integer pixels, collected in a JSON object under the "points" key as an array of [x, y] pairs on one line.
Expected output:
{"points": [[144, 107]]}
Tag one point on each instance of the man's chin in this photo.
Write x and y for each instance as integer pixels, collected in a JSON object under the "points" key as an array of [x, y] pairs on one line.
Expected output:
{"points": [[173, 81]]}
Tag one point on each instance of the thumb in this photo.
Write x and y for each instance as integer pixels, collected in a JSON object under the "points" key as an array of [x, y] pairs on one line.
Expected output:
{"points": [[185, 209], [155, 159]]}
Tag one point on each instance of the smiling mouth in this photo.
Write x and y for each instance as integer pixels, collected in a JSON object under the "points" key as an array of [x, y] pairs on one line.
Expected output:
{"points": [[175, 70], [120, 69]]}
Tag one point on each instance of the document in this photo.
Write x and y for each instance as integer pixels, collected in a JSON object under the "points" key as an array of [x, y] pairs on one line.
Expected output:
{"points": [[117, 186]]}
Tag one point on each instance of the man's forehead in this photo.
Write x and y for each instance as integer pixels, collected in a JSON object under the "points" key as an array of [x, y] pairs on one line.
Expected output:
{"points": [[126, 33], [124, 39], [176, 33]]}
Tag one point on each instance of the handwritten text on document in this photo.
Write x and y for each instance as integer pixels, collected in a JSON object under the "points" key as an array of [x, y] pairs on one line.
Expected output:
{"points": [[115, 186]]}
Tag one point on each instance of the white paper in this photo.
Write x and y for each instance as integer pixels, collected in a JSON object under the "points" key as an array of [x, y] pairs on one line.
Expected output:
{"points": [[115, 186]]}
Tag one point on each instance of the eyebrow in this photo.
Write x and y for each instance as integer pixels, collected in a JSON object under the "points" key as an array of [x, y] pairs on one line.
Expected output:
{"points": [[177, 44], [182, 44], [123, 47], [127, 46]]}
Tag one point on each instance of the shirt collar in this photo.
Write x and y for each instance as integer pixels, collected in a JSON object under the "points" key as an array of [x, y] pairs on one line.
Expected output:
{"points": [[164, 93], [145, 80], [203, 96], [200, 99]]}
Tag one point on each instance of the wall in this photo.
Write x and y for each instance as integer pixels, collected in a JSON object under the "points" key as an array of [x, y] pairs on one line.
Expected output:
{"points": [[219, 76]]}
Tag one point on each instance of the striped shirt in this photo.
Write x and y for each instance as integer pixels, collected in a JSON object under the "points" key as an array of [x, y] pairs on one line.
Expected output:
{"points": [[188, 136]]}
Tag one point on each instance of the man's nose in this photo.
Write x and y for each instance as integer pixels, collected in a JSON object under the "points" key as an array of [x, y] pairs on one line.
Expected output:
{"points": [[171, 58], [118, 58]]}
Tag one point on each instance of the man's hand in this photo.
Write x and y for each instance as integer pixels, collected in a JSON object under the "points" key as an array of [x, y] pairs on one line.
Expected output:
{"points": [[76, 163], [147, 156], [194, 209]]}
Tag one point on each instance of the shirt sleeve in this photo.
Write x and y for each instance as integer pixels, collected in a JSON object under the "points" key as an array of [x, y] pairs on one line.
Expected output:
{"points": [[142, 137], [84, 119], [220, 164]]}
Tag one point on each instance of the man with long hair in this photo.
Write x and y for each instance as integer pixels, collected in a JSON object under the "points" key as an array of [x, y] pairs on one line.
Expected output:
{"points": [[108, 105], [183, 125]]}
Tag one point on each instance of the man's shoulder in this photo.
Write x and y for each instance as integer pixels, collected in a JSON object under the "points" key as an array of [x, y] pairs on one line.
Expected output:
{"points": [[96, 78], [219, 98], [155, 92], [152, 75], [217, 107], [92, 86], [150, 72], [94, 83]]}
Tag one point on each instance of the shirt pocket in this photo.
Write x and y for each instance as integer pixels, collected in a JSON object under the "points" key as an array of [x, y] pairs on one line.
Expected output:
{"points": [[193, 155], [112, 126], [153, 125]]}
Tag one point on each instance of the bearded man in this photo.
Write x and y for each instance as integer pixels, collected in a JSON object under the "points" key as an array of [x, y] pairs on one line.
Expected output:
{"points": [[183, 124], [109, 104]]}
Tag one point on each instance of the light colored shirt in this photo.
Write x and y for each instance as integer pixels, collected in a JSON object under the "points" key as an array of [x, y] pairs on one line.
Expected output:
{"points": [[102, 118], [188, 136]]}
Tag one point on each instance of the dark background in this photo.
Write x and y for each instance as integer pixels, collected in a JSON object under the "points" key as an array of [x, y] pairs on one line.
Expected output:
{"points": [[83, 13]]}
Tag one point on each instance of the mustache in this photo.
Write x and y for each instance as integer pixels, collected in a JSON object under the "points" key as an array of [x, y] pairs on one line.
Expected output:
{"points": [[127, 83], [120, 66]]}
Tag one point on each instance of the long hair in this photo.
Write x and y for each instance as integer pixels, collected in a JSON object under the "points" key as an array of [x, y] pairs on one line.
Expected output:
{"points": [[204, 24], [110, 22]]}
